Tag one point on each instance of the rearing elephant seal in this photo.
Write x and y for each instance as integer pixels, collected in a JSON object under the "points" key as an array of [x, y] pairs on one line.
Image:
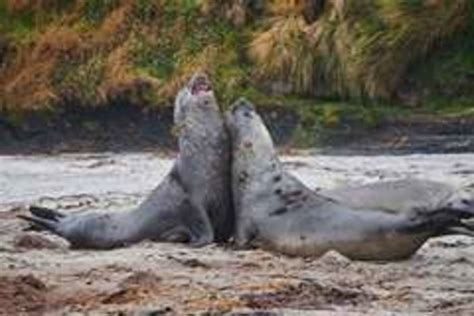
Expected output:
{"points": [[193, 202], [275, 211]]}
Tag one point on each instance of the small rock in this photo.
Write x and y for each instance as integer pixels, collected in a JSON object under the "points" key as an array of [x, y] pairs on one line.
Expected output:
{"points": [[31, 241], [334, 259], [158, 312], [192, 263], [141, 278]]}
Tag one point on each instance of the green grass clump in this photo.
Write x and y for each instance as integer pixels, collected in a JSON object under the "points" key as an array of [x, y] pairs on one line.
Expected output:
{"points": [[80, 82], [95, 10], [22, 25]]}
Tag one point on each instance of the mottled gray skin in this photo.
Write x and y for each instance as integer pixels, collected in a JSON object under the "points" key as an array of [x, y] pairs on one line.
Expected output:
{"points": [[405, 196], [203, 163], [193, 202], [402, 195], [275, 211]]}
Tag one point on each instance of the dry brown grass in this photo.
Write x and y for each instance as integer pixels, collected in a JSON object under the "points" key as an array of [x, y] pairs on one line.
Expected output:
{"points": [[27, 83], [120, 80], [348, 48], [354, 48], [309, 9], [283, 52], [18, 6], [287, 7], [115, 26], [383, 58], [203, 62], [235, 11]]}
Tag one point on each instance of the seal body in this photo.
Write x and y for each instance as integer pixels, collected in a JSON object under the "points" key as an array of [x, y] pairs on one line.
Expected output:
{"points": [[275, 211], [193, 202], [408, 195], [394, 196], [203, 162]]}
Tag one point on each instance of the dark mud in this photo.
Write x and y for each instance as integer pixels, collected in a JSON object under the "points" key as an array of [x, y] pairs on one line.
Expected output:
{"points": [[427, 135], [116, 128]]}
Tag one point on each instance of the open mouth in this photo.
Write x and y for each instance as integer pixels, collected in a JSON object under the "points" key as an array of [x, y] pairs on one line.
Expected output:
{"points": [[200, 85]]}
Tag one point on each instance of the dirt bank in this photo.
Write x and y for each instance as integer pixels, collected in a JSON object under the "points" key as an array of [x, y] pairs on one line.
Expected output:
{"points": [[128, 128], [39, 274]]}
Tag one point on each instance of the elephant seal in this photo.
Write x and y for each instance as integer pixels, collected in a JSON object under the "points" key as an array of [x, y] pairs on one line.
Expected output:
{"points": [[275, 211], [193, 202]]}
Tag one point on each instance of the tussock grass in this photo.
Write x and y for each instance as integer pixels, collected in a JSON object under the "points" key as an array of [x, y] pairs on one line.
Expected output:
{"points": [[236, 12], [27, 83], [355, 48], [35, 6], [412, 32], [310, 10], [92, 53], [283, 51]]}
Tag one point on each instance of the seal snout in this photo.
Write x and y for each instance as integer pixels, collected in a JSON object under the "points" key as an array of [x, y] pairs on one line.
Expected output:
{"points": [[199, 83]]}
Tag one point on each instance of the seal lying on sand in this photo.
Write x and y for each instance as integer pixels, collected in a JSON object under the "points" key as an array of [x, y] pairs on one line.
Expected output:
{"points": [[404, 196], [193, 202], [275, 211]]}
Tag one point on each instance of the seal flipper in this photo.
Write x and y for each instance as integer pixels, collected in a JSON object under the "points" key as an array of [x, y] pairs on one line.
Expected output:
{"points": [[246, 233], [460, 230], [45, 213], [42, 218], [465, 223], [202, 232], [39, 223], [443, 221]]}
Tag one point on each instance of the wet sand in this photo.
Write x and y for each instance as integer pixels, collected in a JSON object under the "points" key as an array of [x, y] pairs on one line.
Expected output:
{"points": [[40, 274]]}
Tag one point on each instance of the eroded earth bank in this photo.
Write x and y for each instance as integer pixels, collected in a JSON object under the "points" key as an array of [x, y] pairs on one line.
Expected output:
{"points": [[40, 274]]}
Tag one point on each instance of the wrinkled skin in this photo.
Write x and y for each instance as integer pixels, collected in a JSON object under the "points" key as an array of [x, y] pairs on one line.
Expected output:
{"points": [[192, 204], [275, 211]]}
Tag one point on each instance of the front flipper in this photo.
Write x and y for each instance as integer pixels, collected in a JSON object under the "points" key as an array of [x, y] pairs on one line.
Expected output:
{"points": [[178, 234], [246, 234], [202, 232]]}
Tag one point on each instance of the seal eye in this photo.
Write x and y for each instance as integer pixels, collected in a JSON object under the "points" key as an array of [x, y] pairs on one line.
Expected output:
{"points": [[248, 114], [248, 144]]}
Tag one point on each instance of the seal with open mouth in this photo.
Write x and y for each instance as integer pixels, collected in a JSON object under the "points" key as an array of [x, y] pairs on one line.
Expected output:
{"points": [[275, 211], [193, 202]]}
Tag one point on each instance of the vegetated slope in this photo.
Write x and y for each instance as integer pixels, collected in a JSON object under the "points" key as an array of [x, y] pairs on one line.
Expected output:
{"points": [[92, 53]]}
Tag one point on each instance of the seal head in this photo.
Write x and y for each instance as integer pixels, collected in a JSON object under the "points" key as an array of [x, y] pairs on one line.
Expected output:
{"points": [[197, 92]]}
